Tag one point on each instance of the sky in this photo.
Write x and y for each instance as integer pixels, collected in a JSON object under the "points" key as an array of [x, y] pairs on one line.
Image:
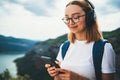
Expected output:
{"points": [[41, 19]]}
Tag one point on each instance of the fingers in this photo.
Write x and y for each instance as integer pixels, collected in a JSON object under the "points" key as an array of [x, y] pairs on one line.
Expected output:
{"points": [[57, 62], [51, 70], [64, 74], [47, 65], [62, 70]]}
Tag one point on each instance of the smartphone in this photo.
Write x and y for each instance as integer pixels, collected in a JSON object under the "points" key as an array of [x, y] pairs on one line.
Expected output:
{"points": [[49, 60]]}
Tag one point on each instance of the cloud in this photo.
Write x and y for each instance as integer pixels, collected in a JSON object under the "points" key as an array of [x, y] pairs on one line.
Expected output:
{"points": [[17, 21], [109, 22], [107, 13], [19, 18], [39, 28], [115, 3], [106, 6], [38, 7], [13, 9]]}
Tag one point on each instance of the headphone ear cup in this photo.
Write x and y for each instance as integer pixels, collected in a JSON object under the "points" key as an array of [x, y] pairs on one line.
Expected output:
{"points": [[90, 18]]}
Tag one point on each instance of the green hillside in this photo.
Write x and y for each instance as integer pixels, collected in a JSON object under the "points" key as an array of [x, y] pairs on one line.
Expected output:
{"points": [[112, 36], [115, 33]]}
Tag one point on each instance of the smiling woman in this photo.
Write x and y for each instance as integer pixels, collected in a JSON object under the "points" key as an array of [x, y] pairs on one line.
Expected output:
{"points": [[77, 57]]}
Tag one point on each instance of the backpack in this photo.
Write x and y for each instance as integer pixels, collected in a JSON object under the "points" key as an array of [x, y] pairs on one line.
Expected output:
{"points": [[98, 50]]}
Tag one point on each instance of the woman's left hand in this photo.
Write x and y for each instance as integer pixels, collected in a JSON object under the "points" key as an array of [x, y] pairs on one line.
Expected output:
{"points": [[69, 75]]}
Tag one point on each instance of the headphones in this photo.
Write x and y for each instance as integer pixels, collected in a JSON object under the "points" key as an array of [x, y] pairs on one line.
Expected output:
{"points": [[90, 15]]}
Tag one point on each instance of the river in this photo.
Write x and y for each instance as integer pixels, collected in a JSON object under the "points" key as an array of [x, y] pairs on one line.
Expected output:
{"points": [[6, 61]]}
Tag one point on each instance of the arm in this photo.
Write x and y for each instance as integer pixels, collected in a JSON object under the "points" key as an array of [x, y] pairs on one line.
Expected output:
{"points": [[108, 63], [108, 76]]}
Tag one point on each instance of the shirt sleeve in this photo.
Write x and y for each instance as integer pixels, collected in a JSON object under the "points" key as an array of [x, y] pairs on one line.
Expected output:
{"points": [[108, 62]]}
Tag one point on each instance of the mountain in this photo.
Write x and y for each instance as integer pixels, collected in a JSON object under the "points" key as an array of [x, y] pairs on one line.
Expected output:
{"points": [[111, 34], [114, 38], [30, 64], [15, 44]]}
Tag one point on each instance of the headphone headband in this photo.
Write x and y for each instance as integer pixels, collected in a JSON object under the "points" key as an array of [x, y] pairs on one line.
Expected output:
{"points": [[91, 4]]}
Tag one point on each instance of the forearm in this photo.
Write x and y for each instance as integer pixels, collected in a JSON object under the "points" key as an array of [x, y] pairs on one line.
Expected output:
{"points": [[56, 78], [82, 78], [108, 76]]}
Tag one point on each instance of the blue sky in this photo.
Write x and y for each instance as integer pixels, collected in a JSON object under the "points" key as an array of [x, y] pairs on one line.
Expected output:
{"points": [[41, 19]]}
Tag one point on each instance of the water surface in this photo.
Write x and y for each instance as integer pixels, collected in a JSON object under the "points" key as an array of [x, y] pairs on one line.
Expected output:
{"points": [[6, 61]]}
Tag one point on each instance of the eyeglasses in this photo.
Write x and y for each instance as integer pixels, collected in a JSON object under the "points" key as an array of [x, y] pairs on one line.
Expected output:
{"points": [[73, 19]]}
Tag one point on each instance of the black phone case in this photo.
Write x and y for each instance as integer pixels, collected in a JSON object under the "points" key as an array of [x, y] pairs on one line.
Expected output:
{"points": [[48, 60]]}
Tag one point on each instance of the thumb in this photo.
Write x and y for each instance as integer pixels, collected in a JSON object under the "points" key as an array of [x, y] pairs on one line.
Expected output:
{"points": [[57, 62], [47, 65]]}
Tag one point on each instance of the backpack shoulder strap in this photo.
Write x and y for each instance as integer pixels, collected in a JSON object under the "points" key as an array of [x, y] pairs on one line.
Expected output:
{"points": [[98, 50], [64, 48]]}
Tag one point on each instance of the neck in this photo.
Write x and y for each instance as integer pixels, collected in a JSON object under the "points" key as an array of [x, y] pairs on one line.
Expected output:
{"points": [[80, 36]]}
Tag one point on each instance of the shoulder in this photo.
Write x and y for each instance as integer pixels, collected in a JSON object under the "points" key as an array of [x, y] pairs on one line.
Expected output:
{"points": [[108, 48], [108, 45], [109, 52]]}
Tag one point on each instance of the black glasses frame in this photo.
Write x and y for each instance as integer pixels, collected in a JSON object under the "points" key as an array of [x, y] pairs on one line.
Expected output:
{"points": [[73, 19]]}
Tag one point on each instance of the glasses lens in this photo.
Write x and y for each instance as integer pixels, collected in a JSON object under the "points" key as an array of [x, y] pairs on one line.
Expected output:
{"points": [[76, 19], [73, 19], [65, 20]]}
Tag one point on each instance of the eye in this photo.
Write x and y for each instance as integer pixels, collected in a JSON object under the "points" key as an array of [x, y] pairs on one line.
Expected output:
{"points": [[76, 17], [67, 19]]}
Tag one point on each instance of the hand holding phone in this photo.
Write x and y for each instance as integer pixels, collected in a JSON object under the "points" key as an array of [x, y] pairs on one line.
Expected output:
{"points": [[50, 61]]}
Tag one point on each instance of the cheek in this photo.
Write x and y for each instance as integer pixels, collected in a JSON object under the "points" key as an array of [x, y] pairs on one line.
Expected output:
{"points": [[82, 23], [83, 20]]}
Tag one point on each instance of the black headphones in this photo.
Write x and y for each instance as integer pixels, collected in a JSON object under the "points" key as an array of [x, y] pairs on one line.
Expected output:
{"points": [[90, 15]]}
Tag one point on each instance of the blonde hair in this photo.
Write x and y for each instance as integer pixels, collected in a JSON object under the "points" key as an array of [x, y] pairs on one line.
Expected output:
{"points": [[92, 32]]}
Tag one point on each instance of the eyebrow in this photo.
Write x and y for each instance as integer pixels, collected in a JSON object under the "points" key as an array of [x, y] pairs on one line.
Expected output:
{"points": [[74, 13]]}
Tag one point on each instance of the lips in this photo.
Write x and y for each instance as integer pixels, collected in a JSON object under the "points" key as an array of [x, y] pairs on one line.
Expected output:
{"points": [[73, 26]]}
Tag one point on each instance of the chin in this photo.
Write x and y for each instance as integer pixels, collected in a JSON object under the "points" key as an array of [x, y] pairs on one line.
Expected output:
{"points": [[74, 32]]}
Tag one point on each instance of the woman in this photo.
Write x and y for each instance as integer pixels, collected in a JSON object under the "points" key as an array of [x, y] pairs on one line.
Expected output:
{"points": [[78, 63]]}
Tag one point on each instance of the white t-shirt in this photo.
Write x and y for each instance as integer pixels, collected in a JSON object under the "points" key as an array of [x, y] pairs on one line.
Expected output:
{"points": [[79, 59]]}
